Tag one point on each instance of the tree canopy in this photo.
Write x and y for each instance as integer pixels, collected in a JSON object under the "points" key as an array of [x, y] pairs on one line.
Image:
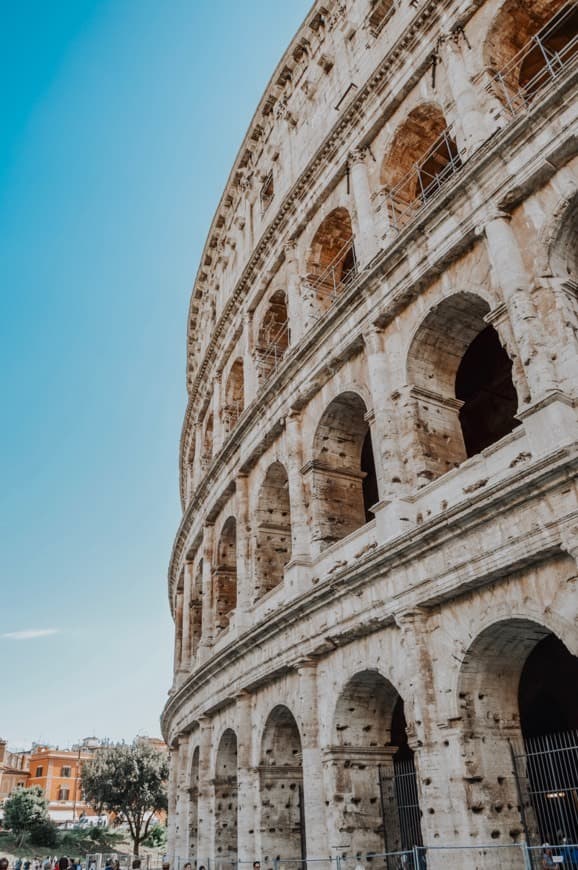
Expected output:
{"points": [[26, 814], [129, 781]]}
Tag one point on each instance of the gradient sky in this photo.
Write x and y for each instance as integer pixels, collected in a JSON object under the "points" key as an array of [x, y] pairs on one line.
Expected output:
{"points": [[119, 123]]}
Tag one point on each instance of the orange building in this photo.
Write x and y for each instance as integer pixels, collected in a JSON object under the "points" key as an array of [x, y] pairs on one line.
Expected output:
{"points": [[57, 772], [14, 770]]}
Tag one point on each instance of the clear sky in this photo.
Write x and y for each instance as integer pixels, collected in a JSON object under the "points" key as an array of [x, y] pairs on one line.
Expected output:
{"points": [[119, 123]]}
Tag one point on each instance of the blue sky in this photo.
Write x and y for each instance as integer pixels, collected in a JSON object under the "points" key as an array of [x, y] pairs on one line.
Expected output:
{"points": [[119, 122]]}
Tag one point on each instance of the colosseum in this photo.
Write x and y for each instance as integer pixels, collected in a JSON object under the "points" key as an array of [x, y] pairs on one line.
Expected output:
{"points": [[374, 580]]}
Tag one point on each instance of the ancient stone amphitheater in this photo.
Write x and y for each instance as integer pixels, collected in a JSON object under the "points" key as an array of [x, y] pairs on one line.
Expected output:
{"points": [[374, 580]]}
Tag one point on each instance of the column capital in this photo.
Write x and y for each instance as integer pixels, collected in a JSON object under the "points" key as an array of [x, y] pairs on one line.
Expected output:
{"points": [[373, 339], [494, 213], [290, 250], [569, 540], [409, 618], [357, 155]]}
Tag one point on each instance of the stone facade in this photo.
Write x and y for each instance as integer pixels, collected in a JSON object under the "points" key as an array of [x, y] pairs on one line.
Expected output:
{"points": [[374, 580]]}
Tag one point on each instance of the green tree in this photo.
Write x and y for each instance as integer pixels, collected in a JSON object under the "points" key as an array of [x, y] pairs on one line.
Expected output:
{"points": [[26, 815], [129, 781]]}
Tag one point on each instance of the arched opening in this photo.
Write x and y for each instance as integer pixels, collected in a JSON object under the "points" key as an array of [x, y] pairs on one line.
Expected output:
{"points": [[422, 156], [225, 576], [196, 611], [194, 808], [528, 45], [332, 263], [375, 798], [484, 384], [344, 478], [234, 396], [273, 539], [520, 709], [281, 783], [461, 376], [226, 801], [273, 337], [207, 451]]}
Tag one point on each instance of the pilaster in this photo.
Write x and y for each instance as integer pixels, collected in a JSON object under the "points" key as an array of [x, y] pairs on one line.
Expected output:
{"points": [[208, 632], [295, 304], [297, 571], [366, 240], [316, 832], [248, 782], [206, 808], [244, 574], [249, 366], [548, 414], [472, 123]]}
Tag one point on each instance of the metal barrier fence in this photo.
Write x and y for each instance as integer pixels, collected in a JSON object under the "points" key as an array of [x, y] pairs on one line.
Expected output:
{"points": [[546, 770], [100, 860], [514, 856]]}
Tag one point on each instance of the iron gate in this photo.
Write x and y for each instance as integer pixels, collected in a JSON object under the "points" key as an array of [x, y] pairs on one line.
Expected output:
{"points": [[406, 799], [546, 770]]}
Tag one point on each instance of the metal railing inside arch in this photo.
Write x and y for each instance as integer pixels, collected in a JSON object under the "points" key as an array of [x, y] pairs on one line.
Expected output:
{"points": [[541, 61], [418, 187]]}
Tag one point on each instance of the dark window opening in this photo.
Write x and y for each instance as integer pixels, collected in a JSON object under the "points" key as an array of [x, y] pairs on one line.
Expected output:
{"points": [[370, 492], [547, 694], [484, 384], [399, 733]]}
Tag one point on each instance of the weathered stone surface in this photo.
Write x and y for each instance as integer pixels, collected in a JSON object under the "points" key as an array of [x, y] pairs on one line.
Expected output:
{"points": [[376, 566]]}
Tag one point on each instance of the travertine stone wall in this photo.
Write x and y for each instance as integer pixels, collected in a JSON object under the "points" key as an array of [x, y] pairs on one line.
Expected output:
{"points": [[377, 554]]}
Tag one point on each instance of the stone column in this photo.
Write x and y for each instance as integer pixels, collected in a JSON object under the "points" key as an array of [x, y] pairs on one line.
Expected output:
{"points": [[172, 804], [244, 573], [561, 316], [473, 125], [178, 631], [297, 571], [218, 428], [512, 280], [208, 631], [548, 414], [247, 782], [394, 514], [250, 380], [366, 240], [182, 809], [205, 839], [185, 664], [316, 832], [438, 765], [295, 307], [198, 469]]}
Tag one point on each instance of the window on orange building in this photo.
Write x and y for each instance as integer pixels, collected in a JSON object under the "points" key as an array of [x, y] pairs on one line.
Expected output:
{"points": [[63, 793], [39, 771], [64, 771]]}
